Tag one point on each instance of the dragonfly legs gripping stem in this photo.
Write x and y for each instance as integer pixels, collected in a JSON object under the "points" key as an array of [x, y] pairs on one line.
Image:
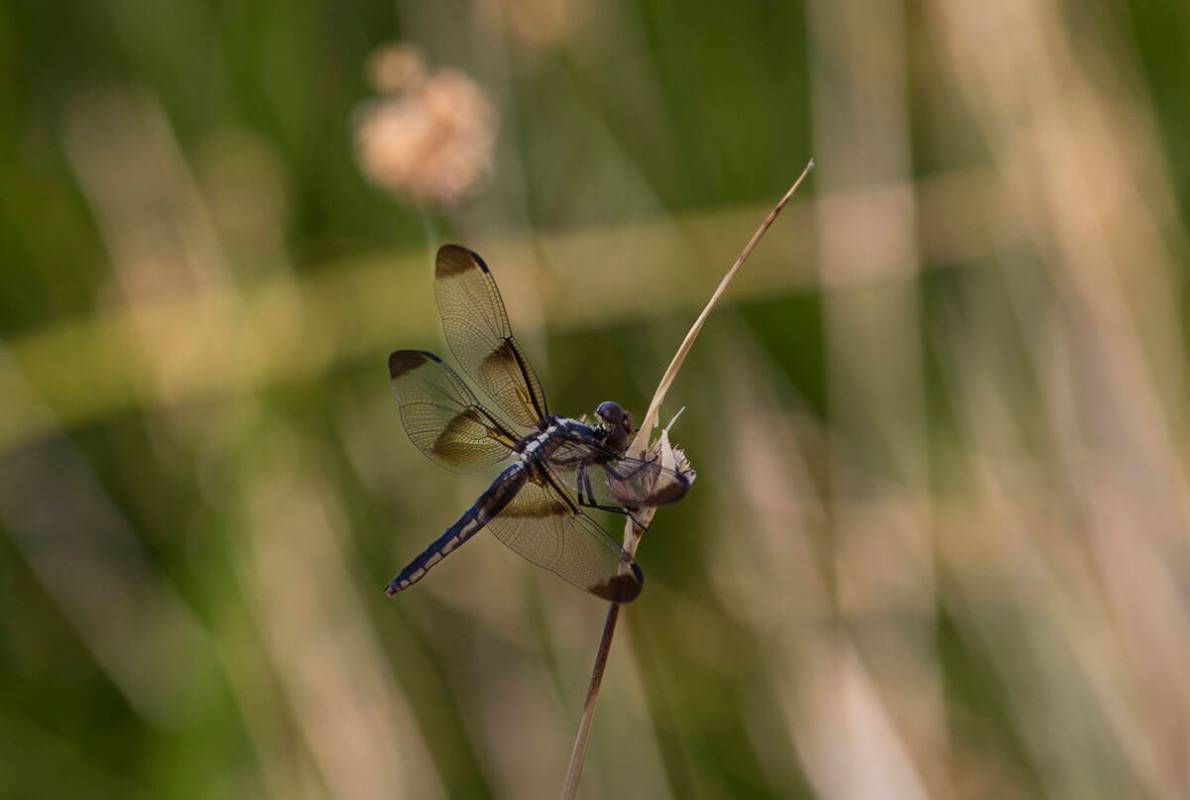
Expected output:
{"points": [[586, 497]]}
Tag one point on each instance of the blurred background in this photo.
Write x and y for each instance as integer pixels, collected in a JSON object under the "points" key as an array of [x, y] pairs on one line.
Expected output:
{"points": [[938, 546]]}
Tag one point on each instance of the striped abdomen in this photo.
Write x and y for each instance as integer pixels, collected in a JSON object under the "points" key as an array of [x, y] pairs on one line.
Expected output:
{"points": [[501, 492]]}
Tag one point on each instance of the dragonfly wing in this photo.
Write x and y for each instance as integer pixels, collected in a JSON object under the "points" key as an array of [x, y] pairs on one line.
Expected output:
{"points": [[603, 479], [545, 525], [477, 330], [443, 417]]}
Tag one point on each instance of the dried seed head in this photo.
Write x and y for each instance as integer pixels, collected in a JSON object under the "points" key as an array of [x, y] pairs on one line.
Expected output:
{"points": [[432, 144], [664, 479], [673, 458]]}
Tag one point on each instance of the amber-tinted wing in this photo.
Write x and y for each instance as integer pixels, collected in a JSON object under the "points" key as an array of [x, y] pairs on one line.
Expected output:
{"points": [[443, 417], [477, 330], [604, 480], [544, 525]]}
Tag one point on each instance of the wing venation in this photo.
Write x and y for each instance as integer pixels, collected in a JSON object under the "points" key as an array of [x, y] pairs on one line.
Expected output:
{"points": [[545, 527], [480, 337], [610, 481], [443, 417]]}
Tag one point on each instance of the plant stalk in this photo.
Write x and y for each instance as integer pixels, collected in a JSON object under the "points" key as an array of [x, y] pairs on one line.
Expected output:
{"points": [[640, 443]]}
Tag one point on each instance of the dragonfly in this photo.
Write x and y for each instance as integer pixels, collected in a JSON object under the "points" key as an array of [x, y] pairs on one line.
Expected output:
{"points": [[557, 469]]}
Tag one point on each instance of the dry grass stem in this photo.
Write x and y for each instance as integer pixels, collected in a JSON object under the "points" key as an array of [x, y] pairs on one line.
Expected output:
{"points": [[671, 372], [640, 444]]}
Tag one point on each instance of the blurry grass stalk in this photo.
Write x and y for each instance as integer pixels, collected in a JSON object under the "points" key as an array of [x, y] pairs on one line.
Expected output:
{"points": [[284, 327], [165, 249], [632, 532]]}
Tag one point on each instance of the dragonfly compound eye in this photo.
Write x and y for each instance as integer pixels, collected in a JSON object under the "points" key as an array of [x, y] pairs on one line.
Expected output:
{"points": [[612, 413]]}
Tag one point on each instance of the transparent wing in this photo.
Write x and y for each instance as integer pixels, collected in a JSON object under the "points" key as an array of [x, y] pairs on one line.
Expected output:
{"points": [[544, 525], [610, 482], [443, 417], [477, 330]]}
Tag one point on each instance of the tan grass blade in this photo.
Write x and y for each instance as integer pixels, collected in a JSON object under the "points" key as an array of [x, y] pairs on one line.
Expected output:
{"points": [[639, 444]]}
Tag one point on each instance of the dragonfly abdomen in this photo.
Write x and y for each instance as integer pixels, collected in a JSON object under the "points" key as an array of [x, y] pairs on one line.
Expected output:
{"points": [[498, 495]]}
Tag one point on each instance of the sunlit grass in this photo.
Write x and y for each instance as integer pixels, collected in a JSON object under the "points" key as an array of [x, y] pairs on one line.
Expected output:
{"points": [[942, 554]]}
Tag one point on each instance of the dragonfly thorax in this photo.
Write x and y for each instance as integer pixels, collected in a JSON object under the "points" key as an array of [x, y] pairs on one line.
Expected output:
{"points": [[541, 443], [554, 433]]}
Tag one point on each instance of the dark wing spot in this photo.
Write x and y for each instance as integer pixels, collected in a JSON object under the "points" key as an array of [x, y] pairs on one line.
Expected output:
{"points": [[648, 485], [672, 489], [622, 588], [502, 360], [404, 361], [479, 262], [454, 260], [534, 510], [457, 441]]}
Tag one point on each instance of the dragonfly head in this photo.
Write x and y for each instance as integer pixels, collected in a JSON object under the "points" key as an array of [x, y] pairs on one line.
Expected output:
{"points": [[618, 423]]}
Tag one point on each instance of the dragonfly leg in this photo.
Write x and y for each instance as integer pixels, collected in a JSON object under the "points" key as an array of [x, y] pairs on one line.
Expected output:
{"points": [[584, 483], [614, 510], [586, 495], [589, 503], [640, 526], [586, 499]]}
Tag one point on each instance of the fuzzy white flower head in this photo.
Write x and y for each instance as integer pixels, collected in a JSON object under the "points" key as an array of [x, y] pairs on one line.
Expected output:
{"points": [[434, 142]]}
